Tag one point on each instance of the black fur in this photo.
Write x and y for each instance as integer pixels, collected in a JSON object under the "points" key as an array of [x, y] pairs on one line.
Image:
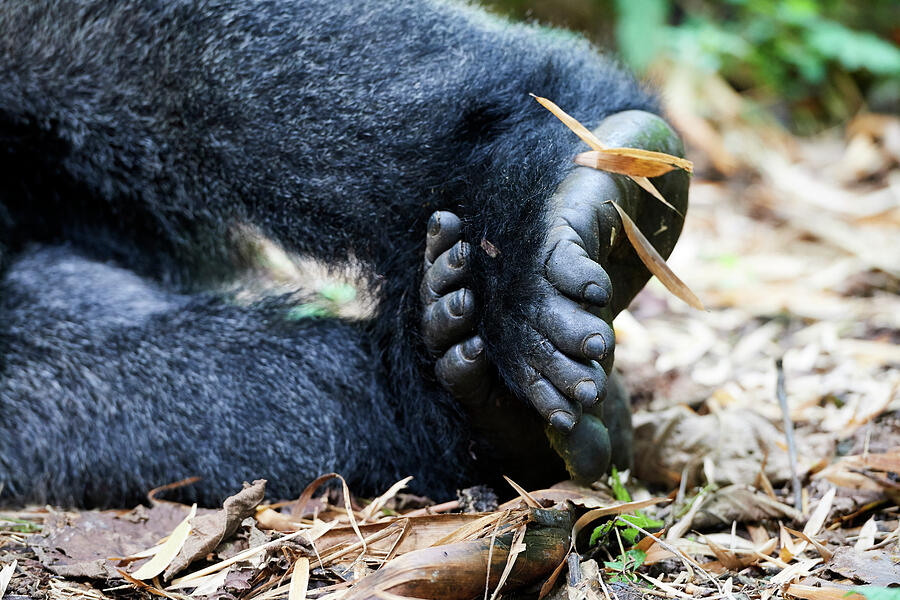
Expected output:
{"points": [[145, 132]]}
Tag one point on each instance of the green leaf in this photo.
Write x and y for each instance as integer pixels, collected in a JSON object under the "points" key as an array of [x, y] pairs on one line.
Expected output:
{"points": [[619, 491], [853, 49], [601, 532], [640, 29], [629, 561]]}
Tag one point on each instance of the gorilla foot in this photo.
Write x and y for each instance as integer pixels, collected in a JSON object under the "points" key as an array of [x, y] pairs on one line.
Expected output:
{"points": [[449, 317], [563, 347], [588, 273], [517, 436]]}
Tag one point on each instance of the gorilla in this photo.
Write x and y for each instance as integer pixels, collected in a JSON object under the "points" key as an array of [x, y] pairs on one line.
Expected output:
{"points": [[139, 138]]}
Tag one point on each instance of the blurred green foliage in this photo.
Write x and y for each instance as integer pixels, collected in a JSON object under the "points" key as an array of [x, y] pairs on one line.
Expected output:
{"points": [[814, 61]]}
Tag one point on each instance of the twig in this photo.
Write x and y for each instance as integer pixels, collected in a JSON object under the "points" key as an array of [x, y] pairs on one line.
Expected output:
{"points": [[789, 434]]}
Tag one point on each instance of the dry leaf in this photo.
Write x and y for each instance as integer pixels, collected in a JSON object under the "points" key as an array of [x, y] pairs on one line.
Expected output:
{"points": [[168, 551], [208, 531], [867, 535], [572, 123], [6, 574], [809, 592], [655, 263], [729, 559], [818, 516], [633, 161], [271, 519], [529, 500], [872, 567], [299, 579], [309, 534], [457, 570], [378, 503], [641, 161]]}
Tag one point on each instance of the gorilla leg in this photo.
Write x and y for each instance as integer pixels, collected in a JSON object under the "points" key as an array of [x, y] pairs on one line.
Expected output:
{"points": [[110, 386], [332, 125], [337, 129]]}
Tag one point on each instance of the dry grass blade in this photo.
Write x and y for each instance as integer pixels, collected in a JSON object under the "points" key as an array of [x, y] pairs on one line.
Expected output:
{"points": [[794, 572], [167, 551], [299, 579], [516, 548], [655, 263], [478, 527], [687, 561], [633, 161], [350, 514], [528, 498], [379, 502], [572, 123], [146, 587], [333, 553], [405, 528], [824, 552], [209, 584], [665, 587], [6, 574], [682, 526]]}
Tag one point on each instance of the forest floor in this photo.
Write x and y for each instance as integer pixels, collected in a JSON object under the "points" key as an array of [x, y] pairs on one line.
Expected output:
{"points": [[739, 490]]}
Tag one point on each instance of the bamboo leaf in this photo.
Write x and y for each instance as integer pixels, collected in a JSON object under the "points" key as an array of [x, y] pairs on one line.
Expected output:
{"points": [[655, 263], [167, 551], [6, 574], [638, 160], [572, 123], [299, 579], [648, 186], [633, 161]]}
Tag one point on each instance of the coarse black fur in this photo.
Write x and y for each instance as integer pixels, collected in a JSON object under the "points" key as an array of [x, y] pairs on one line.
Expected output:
{"points": [[139, 135]]}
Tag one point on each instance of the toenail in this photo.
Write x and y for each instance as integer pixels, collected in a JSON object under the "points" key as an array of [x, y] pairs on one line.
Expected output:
{"points": [[472, 348], [562, 420], [434, 225], [596, 294], [457, 303], [457, 256], [586, 392], [594, 346]]}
